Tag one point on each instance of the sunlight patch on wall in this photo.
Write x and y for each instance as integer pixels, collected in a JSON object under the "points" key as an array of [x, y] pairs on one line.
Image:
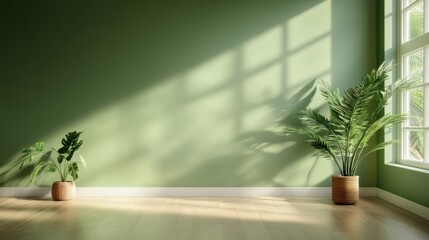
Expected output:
{"points": [[308, 43], [309, 62], [276, 148], [209, 110], [211, 74], [155, 101], [262, 49], [308, 25], [250, 169], [257, 118], [315, 169], [308, 49], [157, 135], [263, 85]]}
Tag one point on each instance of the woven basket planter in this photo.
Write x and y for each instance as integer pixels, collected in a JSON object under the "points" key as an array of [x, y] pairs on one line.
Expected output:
{"points": [[345, 189], [63, 191]]}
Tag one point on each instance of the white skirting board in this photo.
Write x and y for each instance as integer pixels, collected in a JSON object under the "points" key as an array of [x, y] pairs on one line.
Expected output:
{"points": [[44, 192], [182, 191], [406, 204]]}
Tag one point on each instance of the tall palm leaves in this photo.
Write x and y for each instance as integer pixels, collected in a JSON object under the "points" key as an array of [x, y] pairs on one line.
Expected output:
{"points": [[345, 133]]}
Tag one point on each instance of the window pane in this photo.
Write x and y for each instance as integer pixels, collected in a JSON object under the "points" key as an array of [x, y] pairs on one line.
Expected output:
{"points": [[413, 68], [414, 19], [414, 145], [415, 107], [408, 2]]}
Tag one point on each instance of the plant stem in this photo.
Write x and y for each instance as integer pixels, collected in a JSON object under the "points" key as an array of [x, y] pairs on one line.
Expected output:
{"points": [[336, 162], [64, 177], [56, 166]]}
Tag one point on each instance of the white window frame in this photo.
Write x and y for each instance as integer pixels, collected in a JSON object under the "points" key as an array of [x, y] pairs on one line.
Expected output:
{"points": [[406, 48]]}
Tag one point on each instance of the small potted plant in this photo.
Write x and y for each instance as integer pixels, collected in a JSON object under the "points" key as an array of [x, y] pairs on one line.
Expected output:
{"points": [[344, 134], [63, 165]]}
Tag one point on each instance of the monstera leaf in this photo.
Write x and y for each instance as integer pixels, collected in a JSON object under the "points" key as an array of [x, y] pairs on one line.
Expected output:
{"points": [[71, 143]]}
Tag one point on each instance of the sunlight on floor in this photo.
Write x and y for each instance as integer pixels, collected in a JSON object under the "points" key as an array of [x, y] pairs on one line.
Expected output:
{"points": [[206, 218]]}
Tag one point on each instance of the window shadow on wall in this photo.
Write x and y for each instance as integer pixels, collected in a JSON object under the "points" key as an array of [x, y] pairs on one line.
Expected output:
{"points": [[264, 154], [167, 94]]}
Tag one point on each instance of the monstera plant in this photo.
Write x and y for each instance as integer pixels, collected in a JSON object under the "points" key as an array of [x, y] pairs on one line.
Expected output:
{"points": [[63, 164], [354, 118]]}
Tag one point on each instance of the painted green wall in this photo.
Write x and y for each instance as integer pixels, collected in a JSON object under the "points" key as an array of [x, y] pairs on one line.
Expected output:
{"points": [[409, 183], [180, 93]]}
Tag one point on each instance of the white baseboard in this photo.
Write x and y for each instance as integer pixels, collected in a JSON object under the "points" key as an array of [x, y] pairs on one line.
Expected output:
{"points": [[30, 192], [44, 192], [406, 204], [202, 191], [182, 191]]}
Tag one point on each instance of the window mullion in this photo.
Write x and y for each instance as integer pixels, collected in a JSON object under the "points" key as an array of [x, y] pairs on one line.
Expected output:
{"points": [[406, 8], [425, 16], [425, 100], [404, 35], [425, 149], [414, 44]]}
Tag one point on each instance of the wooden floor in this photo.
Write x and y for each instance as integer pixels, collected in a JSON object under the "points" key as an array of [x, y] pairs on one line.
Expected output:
{"points": [[207, 218]]}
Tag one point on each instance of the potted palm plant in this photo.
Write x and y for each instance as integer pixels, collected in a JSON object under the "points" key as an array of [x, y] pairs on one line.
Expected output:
{"points": [[355, 117], [63, 165]]}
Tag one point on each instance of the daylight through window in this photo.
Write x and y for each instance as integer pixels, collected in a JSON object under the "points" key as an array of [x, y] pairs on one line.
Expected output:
{"points": [[414, 57]]}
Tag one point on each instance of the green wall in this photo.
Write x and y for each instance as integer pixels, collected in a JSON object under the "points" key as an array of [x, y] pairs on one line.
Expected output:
{"points": [[409, 183], [180, 93]]}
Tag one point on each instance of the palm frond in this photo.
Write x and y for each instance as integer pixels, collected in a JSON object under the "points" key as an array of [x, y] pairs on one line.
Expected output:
{"points": [[346, 132], [317, 141]]}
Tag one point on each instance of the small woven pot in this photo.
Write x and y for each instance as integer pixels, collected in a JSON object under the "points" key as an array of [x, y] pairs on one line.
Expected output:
{"points": [[63, 191], [345, 189]]}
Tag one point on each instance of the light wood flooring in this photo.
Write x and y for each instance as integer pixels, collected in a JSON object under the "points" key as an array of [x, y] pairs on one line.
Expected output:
{"points": [[259, 218]]}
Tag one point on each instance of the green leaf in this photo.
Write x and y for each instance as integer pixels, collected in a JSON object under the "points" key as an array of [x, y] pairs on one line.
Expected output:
{"points": [[36, 171], [71, 143], [73, 169], [60, 158], [37, 147], [51, 167], [29, 153], [63, 150]]}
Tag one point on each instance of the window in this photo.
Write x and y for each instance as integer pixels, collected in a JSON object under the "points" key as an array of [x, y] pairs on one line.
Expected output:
{"points": [[414, 58]]}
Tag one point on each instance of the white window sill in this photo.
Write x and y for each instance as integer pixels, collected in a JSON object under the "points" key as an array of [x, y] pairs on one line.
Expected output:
{"points": [[408, 167]]}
